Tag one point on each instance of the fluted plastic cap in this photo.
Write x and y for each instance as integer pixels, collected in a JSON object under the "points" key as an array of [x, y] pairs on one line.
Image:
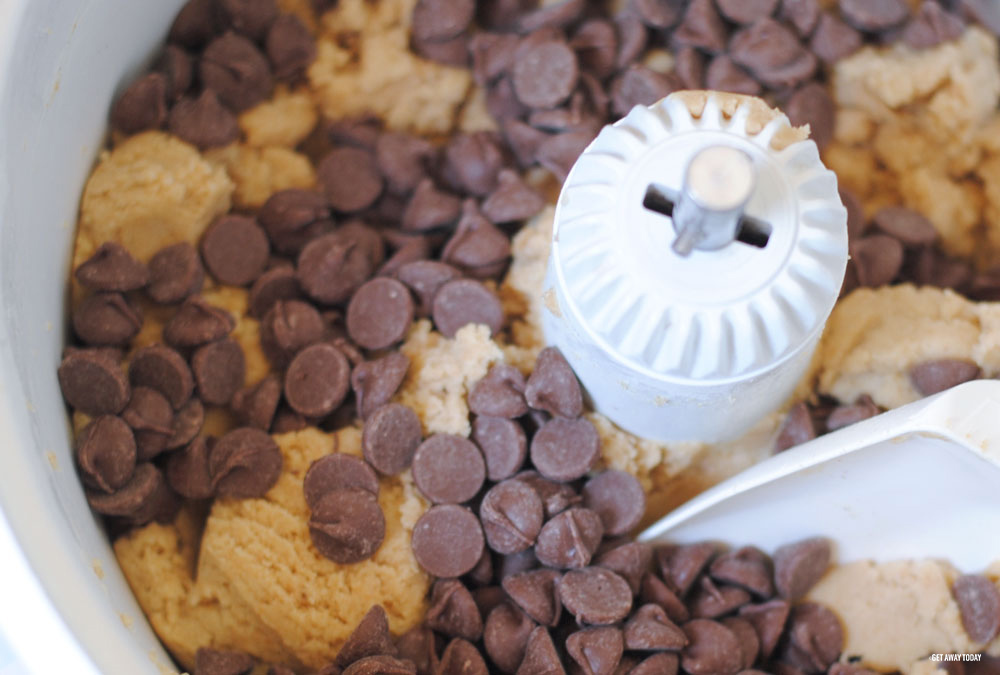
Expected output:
{"points": [[714, 315]]}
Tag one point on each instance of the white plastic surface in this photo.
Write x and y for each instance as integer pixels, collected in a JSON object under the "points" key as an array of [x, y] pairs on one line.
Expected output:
{"points": [[698, 347], [62, 594], [920, 481]]}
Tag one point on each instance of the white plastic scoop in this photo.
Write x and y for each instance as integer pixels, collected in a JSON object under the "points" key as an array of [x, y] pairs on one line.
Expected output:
{"points": [[921, 481]]}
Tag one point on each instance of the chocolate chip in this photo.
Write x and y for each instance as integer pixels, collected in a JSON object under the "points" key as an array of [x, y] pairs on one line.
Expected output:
{"points": [[277, 283], [517, 563], [255, 405], [931, 377], [252, 18], [983, 11], [712, 648], [811, 104], [844, 415], [931, 26], [380, 313], [745, 633], [463, 301], [618, 498], [244, 463], [417, 645], [540, 656], [503, 444], [747, 11], [553, 387], [287, 328], [653, 590], [337, 471], [979, 604], [689, 65], [152, 419], [453, 612], [874, 15], [595, 595], [92, 382], [390, 438], [565, 450], [833, 39], [649, 628], [142, 106], [359, 132], [430, 208], [680, 566], [816, 634], [512, 514], [797, 428], [195, 24], [347, 525], [723, 74], [439, 20], [556, 496], [175, 272], [798, 566], [639, 85], [499, 394], [106, 453], [112, 268], [661, 14], [505, 636], [596, 650], [177, 68], [512, 200], [537, 593], [287, 420], [474, 160], [208, 661], [236, 70], [630, 560], [482, 573], [702, 27], [569, 539], [293, 217], [144, 497], [768, 620], [772, 52], [376, 382], [196, 323], [908, 226], [332, 267], [448, 469], [350, 178], [289, 47], [403, 160], [544, 74], [447, 541], [663, 663], [163, 369], [801, 14], [106, 319], [478, 248], [203, 121], [317, 379], [371, 637], [235, 250], [461, 657], [188, 470], [747, 567], [219, 370], [709, 601], [425, 278], [377, 665], [596, 46]]}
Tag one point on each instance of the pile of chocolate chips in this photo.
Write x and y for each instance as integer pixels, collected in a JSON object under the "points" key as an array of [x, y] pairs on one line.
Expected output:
{"points": [[222, 57]]}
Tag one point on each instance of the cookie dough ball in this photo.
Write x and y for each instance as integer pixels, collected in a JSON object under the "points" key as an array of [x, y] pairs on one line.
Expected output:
{"points": [[150, 191], [260, 585], [364, 65]]}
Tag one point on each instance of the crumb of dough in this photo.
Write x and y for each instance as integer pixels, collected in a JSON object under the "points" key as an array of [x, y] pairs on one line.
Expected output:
{"points": [[919, 128], [285, 119], [521, 292], [760, 114], [896, 613], [475, 116], [442, 371], [260, 586], [364, 65], [150, 191], [304, 10], [659, 60], [260, 172]]}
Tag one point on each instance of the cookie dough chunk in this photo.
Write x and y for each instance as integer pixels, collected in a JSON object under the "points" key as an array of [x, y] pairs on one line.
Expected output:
{"points": [[896, 613], [364, 65], [260, 585], [150, 191], [285, 119], [260, 172], [441, 373], [875, 336]]}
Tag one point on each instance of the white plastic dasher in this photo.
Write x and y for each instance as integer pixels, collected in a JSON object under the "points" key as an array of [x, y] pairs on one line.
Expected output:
{"points": [[692, 269], [913, 483]]}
